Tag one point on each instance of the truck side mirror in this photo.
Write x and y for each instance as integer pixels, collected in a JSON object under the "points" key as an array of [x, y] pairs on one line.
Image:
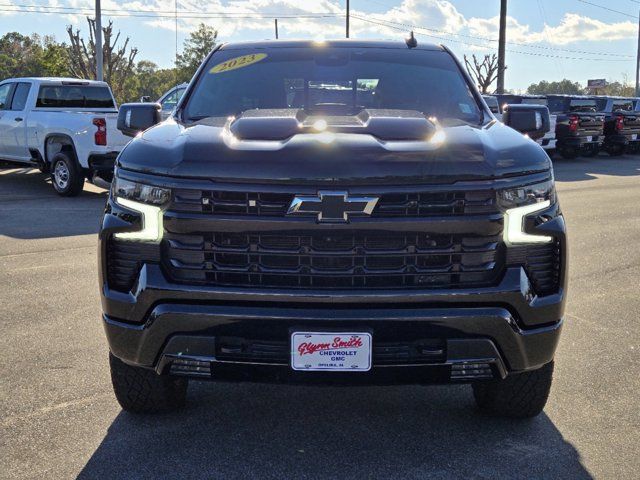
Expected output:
{"points": [[134, 118], [531, 120], [145, 99]]}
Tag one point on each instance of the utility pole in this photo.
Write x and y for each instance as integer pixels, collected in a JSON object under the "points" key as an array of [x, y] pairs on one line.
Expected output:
{"points": [[99, 58], [638, 62], [347, 25], [276, 22], [501, 44]]}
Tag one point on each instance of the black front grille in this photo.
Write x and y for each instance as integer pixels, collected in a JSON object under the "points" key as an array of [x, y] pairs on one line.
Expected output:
{"points": [[327, 260], [541, 263], [124, 260], [423, 351], [276, 204]]}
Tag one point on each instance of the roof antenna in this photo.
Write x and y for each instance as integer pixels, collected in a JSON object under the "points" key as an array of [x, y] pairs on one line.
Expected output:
{"points": [[411, 40]]}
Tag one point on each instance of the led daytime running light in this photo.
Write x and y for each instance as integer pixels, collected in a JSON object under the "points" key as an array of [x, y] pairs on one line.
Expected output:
{"points": [[514, 233], [151, 221]]}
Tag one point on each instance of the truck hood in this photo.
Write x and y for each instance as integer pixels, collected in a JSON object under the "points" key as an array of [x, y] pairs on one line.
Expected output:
{"points": [[210, 150]]}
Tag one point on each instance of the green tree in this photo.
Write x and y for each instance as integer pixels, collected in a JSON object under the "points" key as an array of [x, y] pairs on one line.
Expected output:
{"points": [[150, 81], [563, 87], [32, 56], [195, 50], [620, 89]]}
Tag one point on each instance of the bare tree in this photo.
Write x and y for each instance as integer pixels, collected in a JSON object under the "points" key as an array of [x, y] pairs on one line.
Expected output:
{"points": [[118, 63], [484, 72]]}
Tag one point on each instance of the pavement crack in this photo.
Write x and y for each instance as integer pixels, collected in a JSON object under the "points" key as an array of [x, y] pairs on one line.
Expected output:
{"points": [[8, 421]]}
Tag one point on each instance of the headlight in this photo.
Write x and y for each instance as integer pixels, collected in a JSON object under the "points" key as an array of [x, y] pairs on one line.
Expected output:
{"points": [[139, 192], [519, 202], [146, 200]]}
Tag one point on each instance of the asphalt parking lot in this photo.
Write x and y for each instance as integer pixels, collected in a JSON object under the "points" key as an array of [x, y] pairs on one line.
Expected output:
{"points": [[59, 418]]}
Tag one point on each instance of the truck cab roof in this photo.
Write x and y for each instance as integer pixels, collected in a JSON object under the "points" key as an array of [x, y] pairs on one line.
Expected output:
{"points": [[346, 43], [57, 81]]}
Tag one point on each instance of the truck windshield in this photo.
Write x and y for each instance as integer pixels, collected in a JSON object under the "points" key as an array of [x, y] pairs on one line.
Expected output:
{"points": [[333, 81], [535, 101], [74, 96], [622, 106], [582, 105]]}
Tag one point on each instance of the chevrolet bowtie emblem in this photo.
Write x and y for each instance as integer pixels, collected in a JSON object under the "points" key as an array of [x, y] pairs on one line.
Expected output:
{"points": [[330, 206]]}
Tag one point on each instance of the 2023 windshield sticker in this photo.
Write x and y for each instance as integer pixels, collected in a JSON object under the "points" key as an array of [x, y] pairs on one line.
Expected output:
{"points": [[238, 62]]}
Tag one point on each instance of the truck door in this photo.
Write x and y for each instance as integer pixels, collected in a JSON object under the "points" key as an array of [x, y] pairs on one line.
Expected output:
{"points": [[16, 123], [6, 92]]}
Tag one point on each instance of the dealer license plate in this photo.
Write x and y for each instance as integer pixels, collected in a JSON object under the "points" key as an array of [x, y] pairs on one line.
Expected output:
{"points": [[589, 138], [634, 136], [331, 351]]}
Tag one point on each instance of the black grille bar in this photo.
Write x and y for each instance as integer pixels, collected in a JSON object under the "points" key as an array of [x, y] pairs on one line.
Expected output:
{"points": [[414, 352], [276, 204], [333, 260]]}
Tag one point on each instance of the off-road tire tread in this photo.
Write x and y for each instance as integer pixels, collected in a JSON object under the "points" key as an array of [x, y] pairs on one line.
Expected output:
{"points": [[139, 390], [523, 395]]}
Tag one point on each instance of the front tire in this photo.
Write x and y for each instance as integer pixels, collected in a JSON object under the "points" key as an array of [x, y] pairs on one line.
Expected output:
{"points": [[139, 390], [66, 175], [521, 395]]}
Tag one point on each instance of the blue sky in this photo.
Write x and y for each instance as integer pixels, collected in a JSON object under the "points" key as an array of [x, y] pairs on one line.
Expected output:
{"points": [[549, 39]]}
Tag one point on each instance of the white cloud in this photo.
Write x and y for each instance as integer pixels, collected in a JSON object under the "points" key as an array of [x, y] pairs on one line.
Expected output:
{"points": [[572, 28]]}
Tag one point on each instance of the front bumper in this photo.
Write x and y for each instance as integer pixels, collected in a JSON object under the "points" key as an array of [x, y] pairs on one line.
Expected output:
{"points": [[503, 328], [589, 141], [476, 336], [103, 162], [622, 140]]}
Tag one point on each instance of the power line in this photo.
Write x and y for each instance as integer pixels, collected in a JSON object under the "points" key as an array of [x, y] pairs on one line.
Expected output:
{"points": [[609, 9], [390, 25], [22, 8], [543, 16], [521, 44], [407, 26]]}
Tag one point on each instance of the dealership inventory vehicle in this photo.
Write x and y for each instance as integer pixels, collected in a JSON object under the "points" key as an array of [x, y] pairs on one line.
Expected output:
{"points": [[494, 106], [579, 128], [278, 229], [64, 126], [621, 125], [548, 142], [170, 99]]}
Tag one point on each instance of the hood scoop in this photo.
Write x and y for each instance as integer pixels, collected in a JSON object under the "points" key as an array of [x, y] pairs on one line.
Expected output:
{"points": [[282, 124]]}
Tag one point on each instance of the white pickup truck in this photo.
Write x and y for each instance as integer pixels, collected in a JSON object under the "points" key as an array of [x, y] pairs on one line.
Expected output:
{"points": [[64, 126]]}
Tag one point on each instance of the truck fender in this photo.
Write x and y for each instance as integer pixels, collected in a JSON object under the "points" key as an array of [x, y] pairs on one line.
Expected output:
{"points": [[58, 142]]}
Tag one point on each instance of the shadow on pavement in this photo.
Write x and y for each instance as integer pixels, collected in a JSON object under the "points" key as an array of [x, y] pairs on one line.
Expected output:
{"points": [[581, 169], [270, 431], [30, 208]]}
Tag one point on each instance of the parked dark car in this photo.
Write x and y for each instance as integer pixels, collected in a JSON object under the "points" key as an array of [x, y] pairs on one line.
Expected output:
{"points": [[277, 229], [579, 128], [621, 125]]}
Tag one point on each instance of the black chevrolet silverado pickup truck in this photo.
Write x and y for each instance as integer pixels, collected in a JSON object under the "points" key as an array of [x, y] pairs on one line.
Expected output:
{"points": [[333, 212], [621, 125], [579, 126]]}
